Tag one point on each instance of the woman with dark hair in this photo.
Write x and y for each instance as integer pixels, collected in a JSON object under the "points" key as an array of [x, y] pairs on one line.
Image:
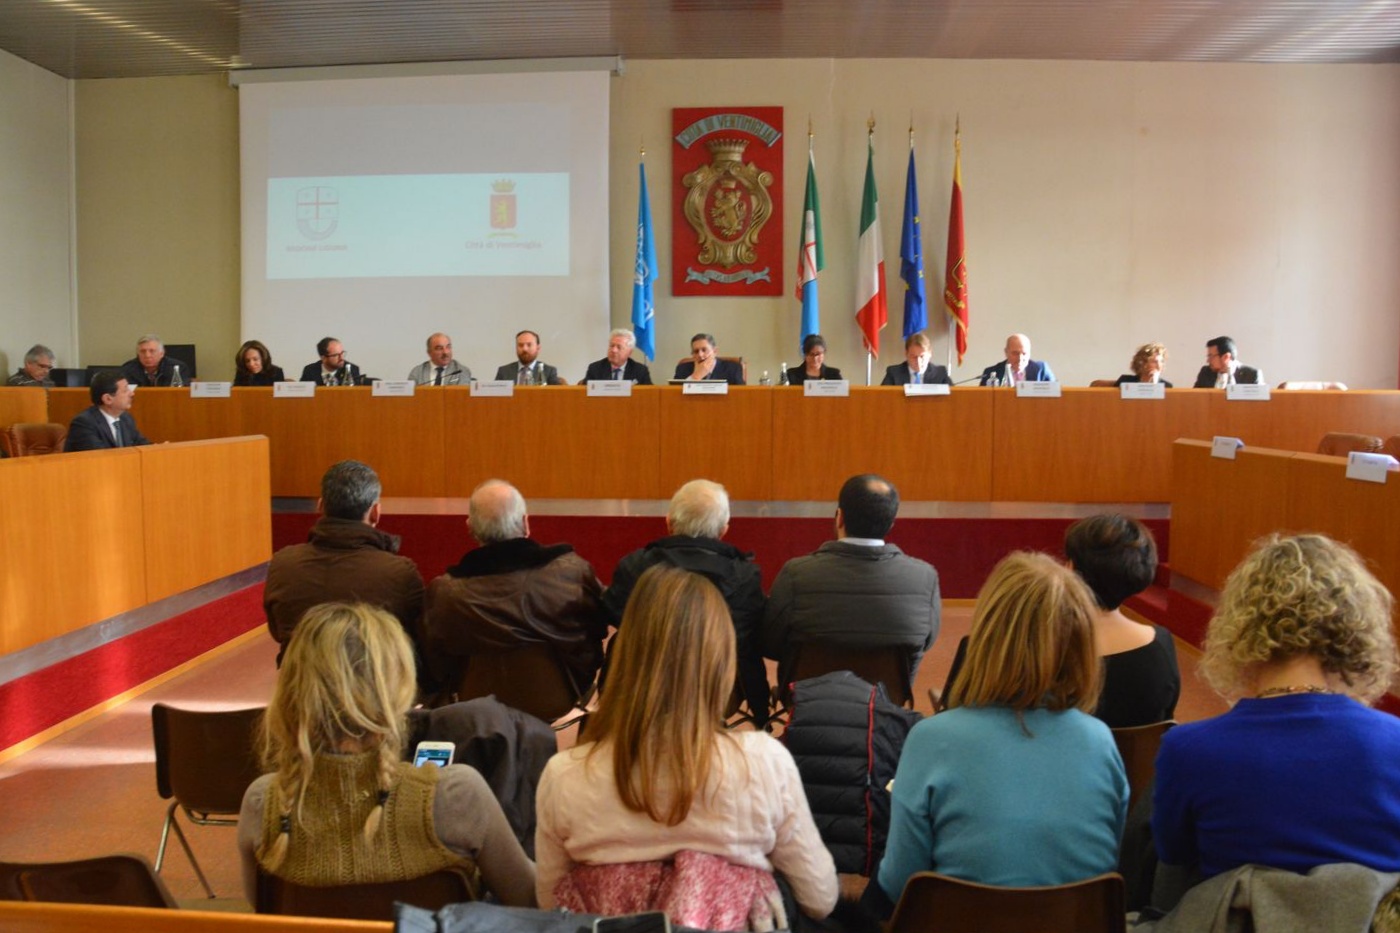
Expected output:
{"points": [[660, 807], [1117, 557], [1016, 784], [341, 806], [254, 366], [813, 362]]}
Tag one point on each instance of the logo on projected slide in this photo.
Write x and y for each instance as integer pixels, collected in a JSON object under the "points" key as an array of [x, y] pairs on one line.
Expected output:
{"points": [[502, 205], [318, 211]]}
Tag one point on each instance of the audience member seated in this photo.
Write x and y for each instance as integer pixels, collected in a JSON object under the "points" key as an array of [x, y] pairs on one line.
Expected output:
{"points": [[1016, 784], [916, 368], [659, 790], [151, 367], [440, 369], [511, 591], [1223, 369], [618, 363], [38, 363], [1018, 365], [333, 369], [858, 591], [703, 364], [345, 557], [696, 521], [107, 423], [527, 370], [1147, 365], [341, 806], [1300, 772], [253, 366], [813, 362]]}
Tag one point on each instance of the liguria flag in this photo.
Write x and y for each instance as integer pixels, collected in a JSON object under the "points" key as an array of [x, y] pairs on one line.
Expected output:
{"points": [[644, 276], [810, 260], [955, 284], [911, 257], [873, 310]]}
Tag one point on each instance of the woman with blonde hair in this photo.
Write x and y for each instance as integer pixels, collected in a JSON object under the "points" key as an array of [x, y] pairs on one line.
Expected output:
{"points": [[1300, 772], [660, 797], [341, 806], [1016, 784], [1147, 365]]}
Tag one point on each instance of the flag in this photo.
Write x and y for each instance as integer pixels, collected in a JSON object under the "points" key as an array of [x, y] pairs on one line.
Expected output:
{"points": [[870, 276], [911, 257], [644, 276], [810, 260], [955, 284]]}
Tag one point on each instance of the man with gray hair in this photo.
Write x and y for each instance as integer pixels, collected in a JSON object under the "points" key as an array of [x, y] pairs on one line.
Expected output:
{"points": [[345, 559], [618, 364], [38, 362], [440, 369], [696, 521], [151, 367], [512, 591]]}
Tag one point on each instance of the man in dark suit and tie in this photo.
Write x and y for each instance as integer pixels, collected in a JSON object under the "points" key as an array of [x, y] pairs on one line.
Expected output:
{"points": [[108, 423], [527, 370], [333, 369], [1222, 369], [916, 369], [619, 363], [1018, 365]]}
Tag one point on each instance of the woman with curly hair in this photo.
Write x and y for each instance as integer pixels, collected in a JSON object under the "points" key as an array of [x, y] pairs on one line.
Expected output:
{"points": [[341, 806], [1300, 772], [1147, 365]]}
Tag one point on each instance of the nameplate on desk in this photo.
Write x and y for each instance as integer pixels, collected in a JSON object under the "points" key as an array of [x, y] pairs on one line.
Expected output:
{"points": [[1370, 468], [610, 388], [705, 388], [294, 390], [211, 389], [1247, 393], [493, 388], [393, 387], [927, 388], [1037, 390], [1154, 390], [1224, 447], [829, 388]]}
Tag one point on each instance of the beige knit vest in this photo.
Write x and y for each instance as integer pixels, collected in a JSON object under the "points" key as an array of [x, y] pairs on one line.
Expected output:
{"points": [[328, 846]]}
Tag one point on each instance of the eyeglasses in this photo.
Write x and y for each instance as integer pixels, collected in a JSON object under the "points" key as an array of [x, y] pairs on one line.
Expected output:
{"points": [[335, 356]]}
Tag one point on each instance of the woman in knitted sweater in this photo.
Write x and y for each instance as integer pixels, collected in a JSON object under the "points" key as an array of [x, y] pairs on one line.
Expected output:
{"points": [[341, 806]]}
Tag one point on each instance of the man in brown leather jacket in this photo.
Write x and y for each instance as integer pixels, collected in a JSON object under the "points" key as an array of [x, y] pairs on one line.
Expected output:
{"points": [[513, 590], [345, 559]]}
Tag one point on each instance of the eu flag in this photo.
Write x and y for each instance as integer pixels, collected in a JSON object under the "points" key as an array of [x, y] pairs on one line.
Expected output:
{"points": [[911, 258]]}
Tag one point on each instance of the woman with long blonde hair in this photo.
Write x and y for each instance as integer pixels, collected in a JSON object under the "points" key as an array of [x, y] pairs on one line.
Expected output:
{"points": [[658, 778], [341, 806]]}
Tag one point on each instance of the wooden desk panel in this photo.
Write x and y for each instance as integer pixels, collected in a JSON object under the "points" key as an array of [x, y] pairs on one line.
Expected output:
{"points": [[1298, 420], [554, 442], [204, 511], [23, 405], [1089, 445], [1221, 507], [1360, 514], [24, 917], [71, 535], [65, 403], [933, 448], [725, 438]]}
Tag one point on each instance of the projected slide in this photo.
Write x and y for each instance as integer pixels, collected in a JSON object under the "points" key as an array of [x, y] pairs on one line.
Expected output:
{"points": [[364, 226]]}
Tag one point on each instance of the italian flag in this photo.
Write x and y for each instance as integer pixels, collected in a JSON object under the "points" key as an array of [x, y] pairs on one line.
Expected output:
{"points": [[873, 306]]}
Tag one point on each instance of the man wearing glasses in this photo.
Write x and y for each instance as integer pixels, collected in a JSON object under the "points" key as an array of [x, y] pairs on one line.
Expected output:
{"points": [[35, 371], [333, 369]]}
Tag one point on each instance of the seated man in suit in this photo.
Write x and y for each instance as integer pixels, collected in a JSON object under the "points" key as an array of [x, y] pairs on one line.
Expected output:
{"points": [[1018, 365], [695, 522], [333, 369], [440, 369], [703, 364], [527, 370], [1222, 369], [108, 422], [151, 367], [916, 368], [858, 591], [512, 590], [618, 364]]}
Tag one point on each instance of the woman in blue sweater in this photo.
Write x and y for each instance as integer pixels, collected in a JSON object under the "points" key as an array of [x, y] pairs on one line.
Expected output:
{"points": [[1016, 784], [1301, 772]]}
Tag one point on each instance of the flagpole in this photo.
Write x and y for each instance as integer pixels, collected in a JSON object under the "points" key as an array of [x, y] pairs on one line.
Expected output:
{"points": [[869, 144]]}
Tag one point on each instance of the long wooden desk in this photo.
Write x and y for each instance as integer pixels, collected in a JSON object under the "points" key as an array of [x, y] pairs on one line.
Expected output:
{"points": [[975, 445], [87, 536]]}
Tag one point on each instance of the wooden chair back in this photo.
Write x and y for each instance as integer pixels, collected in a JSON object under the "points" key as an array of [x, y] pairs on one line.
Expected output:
{"points": [[112, 880], [364, 901], [934, 903], [32, 439], [1339, 444], [528, 678], [1138, 746], [885, 665]]}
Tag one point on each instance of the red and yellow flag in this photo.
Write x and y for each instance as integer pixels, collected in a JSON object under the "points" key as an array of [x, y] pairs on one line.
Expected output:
{"points": [[955, 282]]}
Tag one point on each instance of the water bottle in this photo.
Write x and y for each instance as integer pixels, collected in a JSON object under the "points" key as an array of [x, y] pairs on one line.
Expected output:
{"points": [[176, 381], [782, 373], [764, 380]]}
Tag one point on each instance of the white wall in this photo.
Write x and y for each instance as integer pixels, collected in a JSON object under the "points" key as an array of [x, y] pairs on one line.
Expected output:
{"points": [[1107, 204], [35, 209]]}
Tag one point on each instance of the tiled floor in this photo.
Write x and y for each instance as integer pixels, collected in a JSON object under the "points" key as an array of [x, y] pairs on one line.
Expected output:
{"points": [[92, 791]]}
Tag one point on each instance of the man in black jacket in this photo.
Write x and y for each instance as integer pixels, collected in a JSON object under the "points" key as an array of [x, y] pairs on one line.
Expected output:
{"points": [[333, 369], [1222, 369], [107, 424]]}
